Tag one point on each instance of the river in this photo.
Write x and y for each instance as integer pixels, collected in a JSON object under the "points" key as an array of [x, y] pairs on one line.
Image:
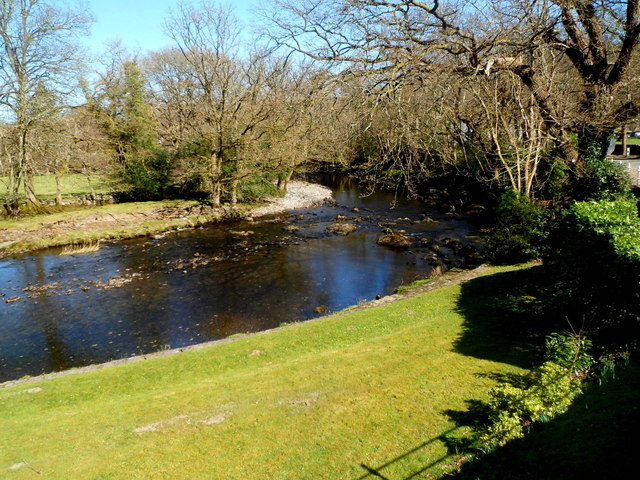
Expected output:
{"points": [[139, 296]]}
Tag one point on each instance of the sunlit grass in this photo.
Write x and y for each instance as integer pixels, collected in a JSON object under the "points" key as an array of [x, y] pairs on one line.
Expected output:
{"points": [[337, 398], [631, 141], [72, 184], [411, 286]]}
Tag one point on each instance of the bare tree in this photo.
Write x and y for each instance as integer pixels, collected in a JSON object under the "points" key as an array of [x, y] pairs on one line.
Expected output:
{"points": [[229, 98], [38, 50], [409, 41]]}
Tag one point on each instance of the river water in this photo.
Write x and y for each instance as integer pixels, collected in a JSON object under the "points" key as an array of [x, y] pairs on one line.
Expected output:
{"points": [[145, 295]]}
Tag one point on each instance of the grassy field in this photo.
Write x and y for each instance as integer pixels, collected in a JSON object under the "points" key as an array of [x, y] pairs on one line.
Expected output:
{"points": [[73, 184], [367, 394]]}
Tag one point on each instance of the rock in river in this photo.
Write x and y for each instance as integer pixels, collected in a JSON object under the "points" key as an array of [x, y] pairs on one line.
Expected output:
{"points": [[395, 240], [341, 228]]}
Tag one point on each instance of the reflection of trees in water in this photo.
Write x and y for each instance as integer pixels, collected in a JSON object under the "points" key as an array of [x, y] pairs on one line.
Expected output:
{"points": [[56, 354], [347, 270]]}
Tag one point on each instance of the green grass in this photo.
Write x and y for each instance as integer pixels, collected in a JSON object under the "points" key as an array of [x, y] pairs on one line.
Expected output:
{"points": [[631, 141], [411, 286], [596, 438], [360, 395], [73, 184]]}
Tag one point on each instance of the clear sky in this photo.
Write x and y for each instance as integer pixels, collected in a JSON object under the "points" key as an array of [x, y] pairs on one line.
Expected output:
{"points": [[138, 23]]}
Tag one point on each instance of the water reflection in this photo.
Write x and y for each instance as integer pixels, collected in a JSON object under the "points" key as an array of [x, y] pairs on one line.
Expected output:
{"points": [[144, 295]]}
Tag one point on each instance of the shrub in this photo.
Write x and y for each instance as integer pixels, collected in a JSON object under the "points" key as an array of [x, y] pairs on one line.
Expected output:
{"points": [[596, 257], [147, 177], [601, 179], [522, 231], [548, 391], [540, 395], [255, 187], [570, 352]]}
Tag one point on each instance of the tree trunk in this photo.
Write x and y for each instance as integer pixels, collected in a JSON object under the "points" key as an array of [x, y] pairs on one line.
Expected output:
{"points": [[216, 173], [283, 182], [30, 192], [234, 192], [624, 141], [58, 178], [12, 200]]}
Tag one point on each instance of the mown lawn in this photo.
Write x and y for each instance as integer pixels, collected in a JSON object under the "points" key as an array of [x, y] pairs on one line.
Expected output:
{"points": [[72, 184], [365, 394], [631, 141]]}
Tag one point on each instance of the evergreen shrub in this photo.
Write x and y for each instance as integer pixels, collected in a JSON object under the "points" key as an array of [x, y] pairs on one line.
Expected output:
{"points": [[595, 253], [522, 230]]}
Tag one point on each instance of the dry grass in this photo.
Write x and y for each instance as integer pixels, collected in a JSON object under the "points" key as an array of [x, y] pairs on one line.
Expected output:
{"points": [[84, 247]]}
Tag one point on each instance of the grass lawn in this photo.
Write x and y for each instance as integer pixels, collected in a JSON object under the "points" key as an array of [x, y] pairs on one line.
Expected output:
{"points": [[365, 394], [72, 184], [631, 141]]}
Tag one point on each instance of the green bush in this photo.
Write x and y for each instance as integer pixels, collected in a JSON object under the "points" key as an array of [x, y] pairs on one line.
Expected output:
{"points": [[548, 391], [545, 392], [601, 179], [570, 352], [255, 187], [596, 257], [522, 230], [147, 177]]}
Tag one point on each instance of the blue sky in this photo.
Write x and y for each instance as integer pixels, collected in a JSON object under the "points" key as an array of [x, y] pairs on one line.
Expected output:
{"points": [[138, 23]]}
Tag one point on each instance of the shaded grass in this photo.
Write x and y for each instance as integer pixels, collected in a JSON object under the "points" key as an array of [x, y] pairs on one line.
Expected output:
{"points": [[359, 395], [504, 310], [596, 438]]}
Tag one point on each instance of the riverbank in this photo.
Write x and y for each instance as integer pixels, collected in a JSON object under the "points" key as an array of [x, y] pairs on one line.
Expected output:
{"points": [[363, 391], [421, 287], [88, 227]]}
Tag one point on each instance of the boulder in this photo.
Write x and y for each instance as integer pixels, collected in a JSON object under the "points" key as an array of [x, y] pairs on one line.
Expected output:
{"points": [[341, 228], [395, 240]]}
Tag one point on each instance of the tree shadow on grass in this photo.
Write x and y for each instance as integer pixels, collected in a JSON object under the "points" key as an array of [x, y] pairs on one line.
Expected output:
{"points": [[379, 471], [504, 319], [596, 438]]}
